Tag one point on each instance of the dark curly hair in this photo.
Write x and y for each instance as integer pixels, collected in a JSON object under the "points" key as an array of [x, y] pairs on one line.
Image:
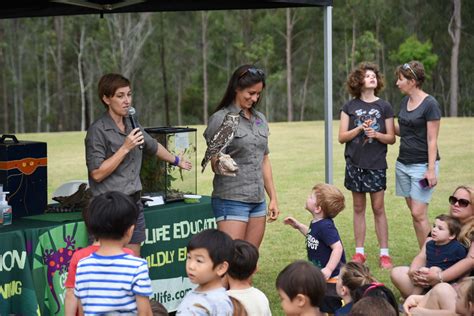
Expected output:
{"points": [[355, 80]]}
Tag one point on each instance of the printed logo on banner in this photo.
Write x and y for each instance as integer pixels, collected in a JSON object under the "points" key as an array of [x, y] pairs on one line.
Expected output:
{"points": [[52, 255]]}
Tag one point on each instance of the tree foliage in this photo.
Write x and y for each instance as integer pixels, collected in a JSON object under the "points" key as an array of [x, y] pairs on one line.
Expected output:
{"points": [[413, 49], [49, 67]]}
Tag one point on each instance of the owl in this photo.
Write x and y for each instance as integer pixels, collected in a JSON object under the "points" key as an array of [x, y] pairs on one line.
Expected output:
{"points": [[222, 137]]}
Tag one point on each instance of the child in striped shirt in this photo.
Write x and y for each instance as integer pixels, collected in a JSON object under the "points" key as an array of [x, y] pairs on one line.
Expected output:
{"points": [[111, 281]]}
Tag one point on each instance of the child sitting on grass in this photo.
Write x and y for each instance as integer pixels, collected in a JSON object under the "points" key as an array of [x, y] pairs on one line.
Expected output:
{"points": [[110, 281], [372, 306], [323, 243], [209, 255], [352, 276], [376, 290], [301, 288], [439, 252], [239, 276]]}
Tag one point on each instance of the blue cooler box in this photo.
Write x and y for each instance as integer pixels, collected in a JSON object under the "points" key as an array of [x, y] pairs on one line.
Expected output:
{"points": [[23, 173]]}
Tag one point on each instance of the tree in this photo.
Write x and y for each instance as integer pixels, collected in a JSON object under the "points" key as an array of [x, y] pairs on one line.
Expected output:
{"points": [[454, 30], [413, 49], [290, 24], [204, 45]]}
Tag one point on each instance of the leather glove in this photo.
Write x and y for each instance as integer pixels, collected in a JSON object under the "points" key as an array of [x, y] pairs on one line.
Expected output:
{"points": [[226, 166]]}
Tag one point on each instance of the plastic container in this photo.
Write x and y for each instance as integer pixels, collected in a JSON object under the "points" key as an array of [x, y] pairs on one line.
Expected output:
{"points": [[191, 198], [5, 210]]}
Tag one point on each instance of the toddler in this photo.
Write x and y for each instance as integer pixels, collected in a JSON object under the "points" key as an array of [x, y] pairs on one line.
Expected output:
{"points": [[439, 252], [323, 244]]}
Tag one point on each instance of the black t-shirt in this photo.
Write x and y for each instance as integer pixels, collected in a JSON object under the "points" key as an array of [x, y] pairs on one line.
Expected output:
{"points": [[413, 130], [362, 152]]}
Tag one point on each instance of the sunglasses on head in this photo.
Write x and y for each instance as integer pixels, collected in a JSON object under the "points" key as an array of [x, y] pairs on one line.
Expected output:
{"points": [[407, 67], [461, 202], [253, 71]]}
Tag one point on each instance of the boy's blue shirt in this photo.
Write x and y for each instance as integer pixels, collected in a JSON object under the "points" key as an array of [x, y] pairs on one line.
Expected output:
{"points": [[321, 235]]}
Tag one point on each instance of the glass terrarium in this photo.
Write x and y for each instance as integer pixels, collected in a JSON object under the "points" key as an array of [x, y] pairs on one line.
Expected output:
{"points": [[160, 178]]}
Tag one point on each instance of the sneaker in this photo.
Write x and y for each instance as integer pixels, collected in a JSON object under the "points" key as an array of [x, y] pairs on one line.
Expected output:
{"points": [[385, 262], [359, 258]]}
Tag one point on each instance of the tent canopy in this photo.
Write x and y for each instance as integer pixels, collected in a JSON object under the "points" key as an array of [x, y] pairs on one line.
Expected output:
{"points": [[37, 8]]}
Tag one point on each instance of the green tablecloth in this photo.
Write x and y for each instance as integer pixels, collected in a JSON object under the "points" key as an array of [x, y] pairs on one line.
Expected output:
{"points": [[35, 253]]}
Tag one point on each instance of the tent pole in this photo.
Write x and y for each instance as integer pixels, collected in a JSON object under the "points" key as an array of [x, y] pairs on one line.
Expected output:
{"points": [[328, 92]]}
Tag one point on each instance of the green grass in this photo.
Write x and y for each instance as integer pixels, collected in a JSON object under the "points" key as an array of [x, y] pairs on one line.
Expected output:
{"points": [[297, 155]]}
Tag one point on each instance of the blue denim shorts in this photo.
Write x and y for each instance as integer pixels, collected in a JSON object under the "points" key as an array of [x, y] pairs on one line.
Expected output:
{"points": [[237, 211], [407, 181]]}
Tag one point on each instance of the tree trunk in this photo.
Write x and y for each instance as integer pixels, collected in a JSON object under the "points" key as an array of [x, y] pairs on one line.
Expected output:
{"points": [[47, 99], [4, 81], [128, 36], [12, 54], [179, 98], [354, 34], [289, 35], [454, 30], [39, 88], [6, 108], [61, 107], [81, 78], [306, 80], [204, 43], [163, 72]]}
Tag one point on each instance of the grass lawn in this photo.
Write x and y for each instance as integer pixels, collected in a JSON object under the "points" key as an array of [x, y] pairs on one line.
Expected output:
{"points": [[297, 155]]}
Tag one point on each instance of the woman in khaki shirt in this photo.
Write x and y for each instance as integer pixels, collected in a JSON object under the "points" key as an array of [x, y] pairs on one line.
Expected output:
{"points": [[238, 200]]}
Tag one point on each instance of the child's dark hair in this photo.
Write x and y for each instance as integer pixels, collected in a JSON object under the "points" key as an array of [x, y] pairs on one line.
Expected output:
{"points": [[354, 274], [302, 277], [245, 260], [157, 309], [111, 214], [372, 306], [454, 225], [376, 290], [218, 244]]}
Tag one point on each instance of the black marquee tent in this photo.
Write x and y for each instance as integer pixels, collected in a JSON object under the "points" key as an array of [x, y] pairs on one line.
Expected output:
{"points": [[39, 8]]}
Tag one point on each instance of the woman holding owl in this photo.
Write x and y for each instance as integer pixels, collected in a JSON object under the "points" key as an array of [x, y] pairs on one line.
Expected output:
{"points": [[238, 197]]}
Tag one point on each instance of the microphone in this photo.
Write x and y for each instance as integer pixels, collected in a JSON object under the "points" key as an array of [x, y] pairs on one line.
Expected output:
{"points": [[133, 121]]}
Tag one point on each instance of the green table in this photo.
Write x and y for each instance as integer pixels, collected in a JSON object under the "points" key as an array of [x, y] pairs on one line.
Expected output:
{"points": [[35, 253]]}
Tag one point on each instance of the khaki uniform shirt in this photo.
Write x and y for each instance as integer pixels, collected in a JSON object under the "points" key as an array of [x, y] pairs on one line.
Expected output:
{"points": [[103, 139], [248, 148]]}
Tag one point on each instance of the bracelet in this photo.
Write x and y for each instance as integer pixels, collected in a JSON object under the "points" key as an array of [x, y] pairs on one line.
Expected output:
{"points": [[176, 161], [440, 277]]}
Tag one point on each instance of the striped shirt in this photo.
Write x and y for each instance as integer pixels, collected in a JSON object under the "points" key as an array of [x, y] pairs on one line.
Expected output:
{"points": [[107, 285]]}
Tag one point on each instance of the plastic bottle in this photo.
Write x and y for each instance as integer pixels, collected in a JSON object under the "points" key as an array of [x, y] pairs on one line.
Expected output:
{"points": [[5, 210]]}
